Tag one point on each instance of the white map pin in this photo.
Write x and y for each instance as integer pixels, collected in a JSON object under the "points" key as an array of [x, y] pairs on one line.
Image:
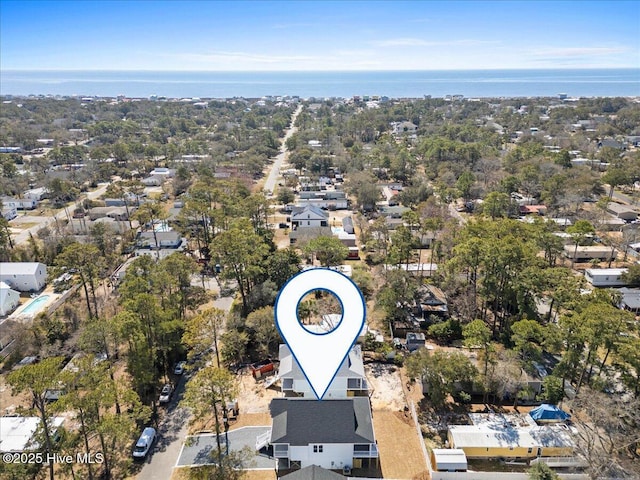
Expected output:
{"points": [[320, 354]]}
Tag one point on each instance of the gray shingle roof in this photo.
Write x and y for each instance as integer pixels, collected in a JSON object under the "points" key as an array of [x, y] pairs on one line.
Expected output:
{"points": [[301, 422], [313, 472]]}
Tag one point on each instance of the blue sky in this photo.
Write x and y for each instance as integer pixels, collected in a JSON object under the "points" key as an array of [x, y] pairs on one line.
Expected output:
{"points": [[322, 35]]}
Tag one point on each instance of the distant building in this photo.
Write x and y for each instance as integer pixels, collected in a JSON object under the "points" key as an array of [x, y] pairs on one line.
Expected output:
{"points": [[9, 299], [629, 299], [622, 211], [605, 277], [308, 217], [16, 433], [24, 276], [589, 252]]}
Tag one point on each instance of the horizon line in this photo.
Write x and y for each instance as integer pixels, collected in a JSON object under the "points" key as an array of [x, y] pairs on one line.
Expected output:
{"points": [[4, 70]]}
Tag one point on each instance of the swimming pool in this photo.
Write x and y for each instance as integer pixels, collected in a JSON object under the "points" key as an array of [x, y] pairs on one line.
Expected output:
{"points": [[36, 305]]}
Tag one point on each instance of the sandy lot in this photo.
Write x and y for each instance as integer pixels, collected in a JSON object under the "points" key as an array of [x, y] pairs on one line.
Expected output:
{"points": [[386, 387], [400, 452]]}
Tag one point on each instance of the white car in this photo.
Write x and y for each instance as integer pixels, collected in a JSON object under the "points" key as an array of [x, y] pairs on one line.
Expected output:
{"points": [[179, 368], [144, 443], [165, 393]]}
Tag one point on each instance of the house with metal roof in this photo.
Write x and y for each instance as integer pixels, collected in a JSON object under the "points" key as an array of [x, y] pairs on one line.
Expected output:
{"points": [[16, 433], [629, 299], [510, 436], [333, 434]]}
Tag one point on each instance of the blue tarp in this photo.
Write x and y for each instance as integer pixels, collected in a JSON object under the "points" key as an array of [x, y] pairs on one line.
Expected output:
{"points": [[548, 412]]}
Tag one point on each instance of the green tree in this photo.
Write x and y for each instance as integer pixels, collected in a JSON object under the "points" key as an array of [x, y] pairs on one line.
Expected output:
{"points": [[442, 373], [580, 231], [86, 262], [285, 195], [262, 325], [552, 389], [203, 332], [241, 252], [329, 251], [478, 335], [542, 471], [207, 394], [632, 276], [35, 379], [528, 337], [496, 205]]}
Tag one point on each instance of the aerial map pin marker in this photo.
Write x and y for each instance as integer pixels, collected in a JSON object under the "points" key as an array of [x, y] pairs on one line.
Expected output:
{"points": [[320, 354]]}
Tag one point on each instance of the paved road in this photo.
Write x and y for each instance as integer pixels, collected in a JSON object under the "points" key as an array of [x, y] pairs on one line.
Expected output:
{"points": [[42, 222], [270, 183], [173, 427]]}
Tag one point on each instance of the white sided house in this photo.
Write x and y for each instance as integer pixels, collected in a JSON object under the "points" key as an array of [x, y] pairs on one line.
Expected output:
{"points": [[308, 217], [9, 299], [349, 381], [24, 276], [605, 277], [332, 434]]}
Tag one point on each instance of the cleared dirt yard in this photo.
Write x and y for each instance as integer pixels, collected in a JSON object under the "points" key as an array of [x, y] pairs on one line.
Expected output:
{"points": [[400, 452], [385, 387]]}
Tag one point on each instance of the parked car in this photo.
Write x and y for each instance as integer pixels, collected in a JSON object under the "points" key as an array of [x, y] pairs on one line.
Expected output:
{"points": [[144, 443], [179, 368], [165, 393]]}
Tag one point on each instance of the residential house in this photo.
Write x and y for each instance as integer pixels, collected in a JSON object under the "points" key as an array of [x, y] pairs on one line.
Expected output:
{"points": [[495, 436], [117, 213], [313, 472], [393, 212], [329, 199], [403, 128], [347, 225], [16, 433], [430, 301], [302, 235], [605, 277], [333, 434], [9, 212], [584, 253], [160, 244], [36, 194], [9, 299], [19, 203], [623, 212], [24, 276], [629, 299], [309, 216], [349, 380], [533, 209]]}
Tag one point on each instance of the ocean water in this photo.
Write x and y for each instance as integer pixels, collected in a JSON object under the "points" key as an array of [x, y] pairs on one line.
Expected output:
{"points": [[394, 84]]}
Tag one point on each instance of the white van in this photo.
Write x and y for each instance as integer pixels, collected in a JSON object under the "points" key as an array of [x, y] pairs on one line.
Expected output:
{"points": [[144, 443]]}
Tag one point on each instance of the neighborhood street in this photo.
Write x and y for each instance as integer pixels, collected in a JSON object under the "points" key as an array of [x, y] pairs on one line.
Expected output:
{"points": [[274, 171], [42, 222], [173, 427]]}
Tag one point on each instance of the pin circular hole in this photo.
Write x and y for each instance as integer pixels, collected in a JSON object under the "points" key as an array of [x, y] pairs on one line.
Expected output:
{"points": [[319, 311]]}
